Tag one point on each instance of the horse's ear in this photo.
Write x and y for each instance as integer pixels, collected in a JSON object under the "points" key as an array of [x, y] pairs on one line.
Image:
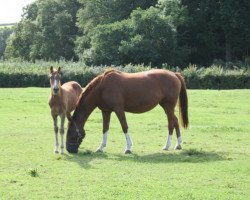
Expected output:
{"points": [[51, 69], [59, 69]]}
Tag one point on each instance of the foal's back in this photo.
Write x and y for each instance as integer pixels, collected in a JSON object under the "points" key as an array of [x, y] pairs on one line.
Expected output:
{"points": [[70, 93]]}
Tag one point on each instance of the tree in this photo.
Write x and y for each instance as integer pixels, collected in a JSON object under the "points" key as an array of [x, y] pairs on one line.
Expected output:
{"points": [[20, 42], [146, 37], [100, 12], [216, 30], [47, 31], [4, 35]]}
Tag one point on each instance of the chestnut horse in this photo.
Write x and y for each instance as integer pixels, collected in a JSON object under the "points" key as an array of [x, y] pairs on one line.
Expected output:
{"points": [[136, 93], [62, 101]]}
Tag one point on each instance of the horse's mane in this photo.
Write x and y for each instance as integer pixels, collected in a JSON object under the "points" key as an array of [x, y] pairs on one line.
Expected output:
{"points": [[91, 86]]}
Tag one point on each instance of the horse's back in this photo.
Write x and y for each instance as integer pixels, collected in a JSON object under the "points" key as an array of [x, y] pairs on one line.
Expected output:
{"points": [[140, 92]]}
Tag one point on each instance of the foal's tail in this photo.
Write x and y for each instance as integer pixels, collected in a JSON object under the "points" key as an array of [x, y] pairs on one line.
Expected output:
{"points": [[183, 102]]}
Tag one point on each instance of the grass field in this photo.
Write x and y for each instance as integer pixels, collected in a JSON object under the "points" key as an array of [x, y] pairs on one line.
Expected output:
{"points": [[214, 162]]}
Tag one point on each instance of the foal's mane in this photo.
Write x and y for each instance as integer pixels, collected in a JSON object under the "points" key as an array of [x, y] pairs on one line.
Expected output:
{"points": [[91, 86]]}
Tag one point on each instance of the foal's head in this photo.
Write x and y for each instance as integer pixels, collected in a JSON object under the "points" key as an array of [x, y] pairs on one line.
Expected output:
{"points": [[55, 80]]}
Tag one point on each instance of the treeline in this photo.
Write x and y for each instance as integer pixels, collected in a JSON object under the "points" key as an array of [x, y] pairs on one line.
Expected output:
{"points": [[119, 32]]}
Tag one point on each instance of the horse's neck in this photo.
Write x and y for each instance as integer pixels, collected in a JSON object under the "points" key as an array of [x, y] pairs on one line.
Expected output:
{"points": [[83, 111]]}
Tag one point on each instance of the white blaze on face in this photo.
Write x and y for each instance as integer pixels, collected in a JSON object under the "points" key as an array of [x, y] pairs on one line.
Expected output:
{"points": [[55, 84]]}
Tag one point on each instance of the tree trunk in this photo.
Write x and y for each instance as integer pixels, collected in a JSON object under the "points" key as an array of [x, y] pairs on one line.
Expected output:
{"points": [[228, 50]]}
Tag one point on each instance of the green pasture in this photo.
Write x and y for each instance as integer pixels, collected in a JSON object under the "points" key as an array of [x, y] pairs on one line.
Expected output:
{"points": [[214, 162]]}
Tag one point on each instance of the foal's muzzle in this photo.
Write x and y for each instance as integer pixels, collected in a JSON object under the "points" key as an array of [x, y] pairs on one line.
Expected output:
{"points": [[55, 91]]}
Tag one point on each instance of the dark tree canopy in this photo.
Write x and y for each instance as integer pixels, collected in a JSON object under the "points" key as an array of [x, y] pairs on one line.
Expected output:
{"points": [[176, 32]]}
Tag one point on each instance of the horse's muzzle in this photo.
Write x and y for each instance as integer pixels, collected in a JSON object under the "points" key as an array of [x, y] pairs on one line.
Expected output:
{"points": [[72, 148]]}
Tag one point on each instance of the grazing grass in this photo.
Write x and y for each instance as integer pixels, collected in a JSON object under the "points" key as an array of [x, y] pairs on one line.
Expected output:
{"points": [[214, 162]]}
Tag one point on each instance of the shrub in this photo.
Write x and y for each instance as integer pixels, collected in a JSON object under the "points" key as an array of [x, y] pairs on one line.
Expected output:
{"points": [[26, 74]]}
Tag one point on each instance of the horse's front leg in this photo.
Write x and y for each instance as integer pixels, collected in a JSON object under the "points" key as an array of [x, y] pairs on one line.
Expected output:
{"points": [[62, 132], [106, 120], [56, 133]]}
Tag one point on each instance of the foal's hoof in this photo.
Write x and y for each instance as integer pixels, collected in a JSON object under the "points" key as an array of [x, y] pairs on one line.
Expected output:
{"points": [[128, 151], [178, 147]]}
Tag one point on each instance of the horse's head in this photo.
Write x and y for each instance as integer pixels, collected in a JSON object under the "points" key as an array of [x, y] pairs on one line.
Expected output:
{"points": [[55, 80], [74, 137]]}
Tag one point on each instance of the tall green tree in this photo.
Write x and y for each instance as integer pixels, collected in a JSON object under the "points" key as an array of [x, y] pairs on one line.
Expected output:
{"points": [[20, 42], [4, 35], [47, 31], [216, 30], [146, 37], [100, 12]]}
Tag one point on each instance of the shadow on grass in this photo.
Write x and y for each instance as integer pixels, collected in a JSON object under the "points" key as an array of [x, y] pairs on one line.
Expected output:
{"points": [[191, 156], [84, 158]]}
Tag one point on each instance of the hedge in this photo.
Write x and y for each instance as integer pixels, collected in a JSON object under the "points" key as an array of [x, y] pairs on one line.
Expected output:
{"points": [[34, 75]]}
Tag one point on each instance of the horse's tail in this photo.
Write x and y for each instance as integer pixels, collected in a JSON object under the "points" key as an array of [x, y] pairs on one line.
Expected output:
{"points": [[183, 102]]}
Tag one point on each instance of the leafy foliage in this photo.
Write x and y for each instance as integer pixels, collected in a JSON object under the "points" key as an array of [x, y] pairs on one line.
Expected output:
{"points": [[47, 31], [26, 74], [4, 35], [156, 32]]}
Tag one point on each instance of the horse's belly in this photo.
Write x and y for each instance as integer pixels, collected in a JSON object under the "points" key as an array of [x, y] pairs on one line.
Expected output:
{"points": [[140, 107]]}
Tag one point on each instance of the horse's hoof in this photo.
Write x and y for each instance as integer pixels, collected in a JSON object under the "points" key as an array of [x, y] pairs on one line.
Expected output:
{"points": [[128, 151], [178, 147], [165, 148], [99, 151], [56, 152], [61, 153]]}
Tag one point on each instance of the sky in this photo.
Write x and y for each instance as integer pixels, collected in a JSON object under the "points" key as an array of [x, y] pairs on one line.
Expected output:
{"points": [[11, 10]]}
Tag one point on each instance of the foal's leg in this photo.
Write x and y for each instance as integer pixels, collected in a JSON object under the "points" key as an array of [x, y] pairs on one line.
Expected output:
{"points": [[68, 115], [122, 118], [62, 132], [106, 120], [56, 133]]}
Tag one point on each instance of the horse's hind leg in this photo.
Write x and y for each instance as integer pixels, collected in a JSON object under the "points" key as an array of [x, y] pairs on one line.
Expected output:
{"points": [[170, 128], [172, 123], [62, 132], [122, 118], [178, 135], [56, 133], [106, 120]]}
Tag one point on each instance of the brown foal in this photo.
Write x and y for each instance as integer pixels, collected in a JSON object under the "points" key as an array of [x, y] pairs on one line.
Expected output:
{"points": [[62, 102], [119, 92]]}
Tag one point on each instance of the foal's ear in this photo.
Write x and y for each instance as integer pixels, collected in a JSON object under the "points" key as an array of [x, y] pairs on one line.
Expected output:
{"points": [[59, 69], [51, 70]]}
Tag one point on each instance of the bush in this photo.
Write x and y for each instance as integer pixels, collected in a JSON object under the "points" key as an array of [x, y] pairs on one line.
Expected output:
{"points": [[26, 74]]}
